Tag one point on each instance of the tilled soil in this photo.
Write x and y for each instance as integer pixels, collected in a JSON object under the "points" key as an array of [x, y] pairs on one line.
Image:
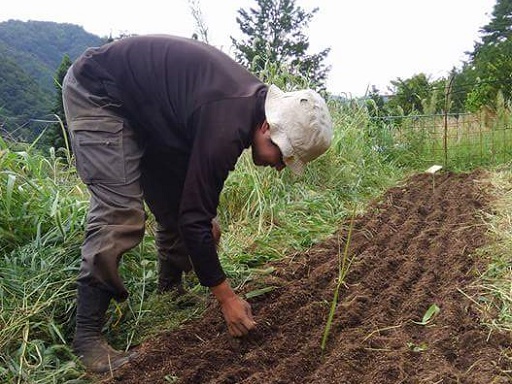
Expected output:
{"points": [[413, 248]]}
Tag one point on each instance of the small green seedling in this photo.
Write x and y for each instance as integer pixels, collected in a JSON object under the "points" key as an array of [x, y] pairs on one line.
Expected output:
{"points": [[429, 315], [417, 348], [344, 263], [259, 292]]}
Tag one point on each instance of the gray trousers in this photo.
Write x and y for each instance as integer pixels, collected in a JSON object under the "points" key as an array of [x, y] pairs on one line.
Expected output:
{"points": [[111, 161]]}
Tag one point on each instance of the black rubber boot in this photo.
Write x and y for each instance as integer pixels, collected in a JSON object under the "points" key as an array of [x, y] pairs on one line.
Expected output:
{"points": [[89, 345]]}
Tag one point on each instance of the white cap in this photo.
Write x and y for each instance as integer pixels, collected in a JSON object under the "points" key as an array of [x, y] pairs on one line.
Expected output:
{"points": [[300, 125]]}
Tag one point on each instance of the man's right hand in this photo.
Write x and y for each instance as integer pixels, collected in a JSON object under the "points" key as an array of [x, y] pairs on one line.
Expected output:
{"points": [[236, 311], [238, 316]]}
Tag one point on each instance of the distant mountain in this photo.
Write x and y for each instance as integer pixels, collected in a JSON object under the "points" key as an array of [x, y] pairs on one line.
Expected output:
{"points": [[31, 53], [20, 93]]}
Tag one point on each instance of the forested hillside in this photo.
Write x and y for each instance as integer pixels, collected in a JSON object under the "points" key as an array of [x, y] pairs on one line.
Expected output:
{"points": [[20, 93], [31, 53]]}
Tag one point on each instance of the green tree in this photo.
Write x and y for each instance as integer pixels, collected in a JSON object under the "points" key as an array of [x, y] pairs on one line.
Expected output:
{"points": [[55, 135], [490, 67], [274, 34], [461, 85], [22, 101], [410, 95], [375, 103]]}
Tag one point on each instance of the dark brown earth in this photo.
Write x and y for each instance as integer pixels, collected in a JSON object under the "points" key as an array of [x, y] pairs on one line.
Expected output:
{"points": [[413, 248]]}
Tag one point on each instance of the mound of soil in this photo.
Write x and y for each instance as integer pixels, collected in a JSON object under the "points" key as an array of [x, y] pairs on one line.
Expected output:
{"points": [[412, 249]]}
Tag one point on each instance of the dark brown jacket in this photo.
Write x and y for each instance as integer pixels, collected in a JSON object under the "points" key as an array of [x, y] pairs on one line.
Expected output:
{"points": [[195, 108]]}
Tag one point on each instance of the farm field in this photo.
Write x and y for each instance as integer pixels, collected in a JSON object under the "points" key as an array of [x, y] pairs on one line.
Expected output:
{"points": [[412, 251]]}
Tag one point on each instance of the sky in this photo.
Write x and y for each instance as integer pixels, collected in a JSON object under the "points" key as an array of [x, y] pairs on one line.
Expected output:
{"points": [[372, 41]]}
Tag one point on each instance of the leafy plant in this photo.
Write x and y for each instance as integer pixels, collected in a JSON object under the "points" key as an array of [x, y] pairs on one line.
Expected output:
{"points": [[429, 315], [417, 348], [344, 263]]}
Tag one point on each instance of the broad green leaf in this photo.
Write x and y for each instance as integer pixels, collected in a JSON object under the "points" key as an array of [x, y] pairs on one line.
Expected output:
{"points": [[429, 315]]}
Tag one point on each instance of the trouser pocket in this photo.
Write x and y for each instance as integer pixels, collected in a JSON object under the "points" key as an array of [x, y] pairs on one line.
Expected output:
{"points": [[99, 150]]}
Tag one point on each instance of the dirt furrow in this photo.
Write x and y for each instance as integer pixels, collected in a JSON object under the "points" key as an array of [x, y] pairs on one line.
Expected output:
{"points": [[412, 249]]}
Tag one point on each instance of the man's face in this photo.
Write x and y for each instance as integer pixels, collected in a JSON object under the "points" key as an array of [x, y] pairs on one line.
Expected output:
{"points": [[264, 152]]}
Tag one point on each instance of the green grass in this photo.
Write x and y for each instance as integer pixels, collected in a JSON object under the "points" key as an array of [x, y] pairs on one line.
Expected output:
{"points": [[269, 214], [265, 215], [460, 142], [41, 220], [495, 284]]}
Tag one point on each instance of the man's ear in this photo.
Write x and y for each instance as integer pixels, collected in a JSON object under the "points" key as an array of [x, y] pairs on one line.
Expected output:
{"points": [[264, 127]]}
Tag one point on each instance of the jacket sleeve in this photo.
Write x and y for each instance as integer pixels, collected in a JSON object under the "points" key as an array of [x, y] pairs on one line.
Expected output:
{"points": [[222, 133]]}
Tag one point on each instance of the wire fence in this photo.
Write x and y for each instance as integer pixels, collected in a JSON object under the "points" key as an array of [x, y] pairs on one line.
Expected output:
{"points": [[24, 130], [462, 141]]}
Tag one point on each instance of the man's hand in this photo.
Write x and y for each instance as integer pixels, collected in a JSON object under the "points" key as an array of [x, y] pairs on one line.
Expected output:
{"points": [[237, 312], [238, 316]]}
